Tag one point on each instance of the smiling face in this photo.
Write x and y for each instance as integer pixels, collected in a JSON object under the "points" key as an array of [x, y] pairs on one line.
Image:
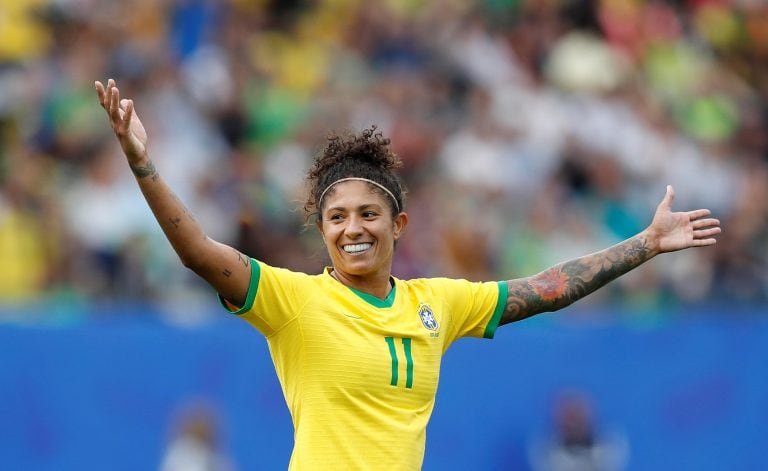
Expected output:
{"points": [[360, 231]]}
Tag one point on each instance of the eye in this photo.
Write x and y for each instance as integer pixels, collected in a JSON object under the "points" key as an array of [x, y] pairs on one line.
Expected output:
{"points": [[369, 214], [335, 217]]}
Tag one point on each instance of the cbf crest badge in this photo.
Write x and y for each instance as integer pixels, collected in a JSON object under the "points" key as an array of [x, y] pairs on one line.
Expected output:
{"points": [[427, 317]]}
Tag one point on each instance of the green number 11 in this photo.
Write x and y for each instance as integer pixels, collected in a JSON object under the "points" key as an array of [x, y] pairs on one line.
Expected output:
{"points": [[408, 361]]}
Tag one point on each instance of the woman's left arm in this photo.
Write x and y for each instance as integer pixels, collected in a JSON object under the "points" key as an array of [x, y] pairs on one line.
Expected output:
{"points": [[561, 285]]}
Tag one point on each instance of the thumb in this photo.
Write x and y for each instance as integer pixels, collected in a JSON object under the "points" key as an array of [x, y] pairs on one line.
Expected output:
{"points": [[666, 203]]}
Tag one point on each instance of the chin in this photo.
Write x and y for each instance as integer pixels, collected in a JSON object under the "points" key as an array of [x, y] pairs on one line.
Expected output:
{"points": [[356, 269]]}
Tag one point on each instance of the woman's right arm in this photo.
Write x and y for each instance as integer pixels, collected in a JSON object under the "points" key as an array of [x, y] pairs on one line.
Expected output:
{"points": [[222, 266]]}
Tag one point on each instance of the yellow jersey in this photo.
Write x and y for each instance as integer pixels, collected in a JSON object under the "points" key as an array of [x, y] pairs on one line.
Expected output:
{"points": [[360, 374]]}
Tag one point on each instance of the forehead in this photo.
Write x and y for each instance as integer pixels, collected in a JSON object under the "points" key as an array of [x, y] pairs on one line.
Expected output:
{"points": [[352, 193]]}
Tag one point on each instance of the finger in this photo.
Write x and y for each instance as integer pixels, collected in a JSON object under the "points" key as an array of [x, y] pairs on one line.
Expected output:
{"points": [[127, 106], [666, 203], [115, 113], [704, 223], [108, 97], [706, 233], [110, 86], [110, 101], [704, 242], [101, 93], [698, 214]]}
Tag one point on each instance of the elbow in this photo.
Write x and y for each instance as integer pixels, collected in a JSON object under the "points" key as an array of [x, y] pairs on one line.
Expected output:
{"points": [[190, 260], [194, 256]]}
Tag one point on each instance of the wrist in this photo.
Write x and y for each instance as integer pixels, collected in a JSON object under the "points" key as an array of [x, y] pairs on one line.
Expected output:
{"points": [[137, 158], [651, 241]]}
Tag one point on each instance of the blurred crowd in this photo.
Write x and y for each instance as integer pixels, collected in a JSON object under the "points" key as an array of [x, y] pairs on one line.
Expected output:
{"points": [[532, 131]]}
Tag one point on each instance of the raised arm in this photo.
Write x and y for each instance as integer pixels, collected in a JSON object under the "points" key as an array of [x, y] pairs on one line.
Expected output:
{"points": [[225, 268], [561, 285]]}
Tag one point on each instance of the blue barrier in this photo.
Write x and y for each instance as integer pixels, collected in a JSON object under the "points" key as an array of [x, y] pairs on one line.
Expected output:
{"points": [[688, 393]]}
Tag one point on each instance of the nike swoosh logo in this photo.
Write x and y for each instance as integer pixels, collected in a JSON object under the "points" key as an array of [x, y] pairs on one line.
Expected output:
{"points": [[353, 317]]}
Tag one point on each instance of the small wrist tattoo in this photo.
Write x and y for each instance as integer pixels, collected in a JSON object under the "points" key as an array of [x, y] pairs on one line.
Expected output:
{"points": [[144, 171]]}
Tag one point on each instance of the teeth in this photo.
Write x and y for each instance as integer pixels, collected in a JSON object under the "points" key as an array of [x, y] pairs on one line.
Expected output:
{"points": [[357, 248]]}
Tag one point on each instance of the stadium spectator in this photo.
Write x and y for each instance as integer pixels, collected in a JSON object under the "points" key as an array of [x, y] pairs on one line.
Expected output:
{"points": [[685, 104], [196, 440], [578, 442]]}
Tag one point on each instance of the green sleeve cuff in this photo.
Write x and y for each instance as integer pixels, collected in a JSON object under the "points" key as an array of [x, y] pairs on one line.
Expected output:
{"points": [[253, 287], [501, 303]]}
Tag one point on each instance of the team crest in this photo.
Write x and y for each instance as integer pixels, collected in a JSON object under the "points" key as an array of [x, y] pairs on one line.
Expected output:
{"points": [[427, 317]]}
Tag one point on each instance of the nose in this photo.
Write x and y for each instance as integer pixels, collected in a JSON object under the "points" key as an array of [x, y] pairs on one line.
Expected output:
{"points": [[354, 227]]}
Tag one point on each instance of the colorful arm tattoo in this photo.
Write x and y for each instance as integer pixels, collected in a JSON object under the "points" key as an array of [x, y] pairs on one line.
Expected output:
{"points": [[561, 285]]}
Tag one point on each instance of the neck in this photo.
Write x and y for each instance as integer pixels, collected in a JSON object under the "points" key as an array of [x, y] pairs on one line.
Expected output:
{"points": [[378, 286]]}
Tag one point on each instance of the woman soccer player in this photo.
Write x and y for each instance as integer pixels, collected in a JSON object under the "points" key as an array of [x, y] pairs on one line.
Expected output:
{"points": [[356, 350]]}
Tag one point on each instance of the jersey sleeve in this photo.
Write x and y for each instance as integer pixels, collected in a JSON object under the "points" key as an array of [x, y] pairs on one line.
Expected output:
{"points": [[475, 308], [275, 297]]}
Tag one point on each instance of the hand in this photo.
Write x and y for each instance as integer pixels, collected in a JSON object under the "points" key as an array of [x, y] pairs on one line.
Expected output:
{"points": [[124, 121], [677, 231]]}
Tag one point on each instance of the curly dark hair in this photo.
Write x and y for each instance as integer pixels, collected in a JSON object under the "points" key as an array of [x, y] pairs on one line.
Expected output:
{"points": [[363, 155]]}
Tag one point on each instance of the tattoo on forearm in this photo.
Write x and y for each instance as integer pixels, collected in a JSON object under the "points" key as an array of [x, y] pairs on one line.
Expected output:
{"points": [[183, 208], [147, 171], [561, 285], [226, 272], [176, 221], [241, 258]]}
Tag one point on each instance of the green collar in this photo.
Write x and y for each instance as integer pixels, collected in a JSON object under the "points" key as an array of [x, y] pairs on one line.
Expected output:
{"points": [[373, 300]]}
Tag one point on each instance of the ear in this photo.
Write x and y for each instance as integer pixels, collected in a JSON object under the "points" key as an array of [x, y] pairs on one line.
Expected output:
{"points": [[400, 222], [319, 224]]}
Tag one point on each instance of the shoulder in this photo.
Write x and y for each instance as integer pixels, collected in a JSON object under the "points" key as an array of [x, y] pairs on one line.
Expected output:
{"points": [[279, 272], [435, 285], [434, 282], [283, 281], [450, 288]]}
